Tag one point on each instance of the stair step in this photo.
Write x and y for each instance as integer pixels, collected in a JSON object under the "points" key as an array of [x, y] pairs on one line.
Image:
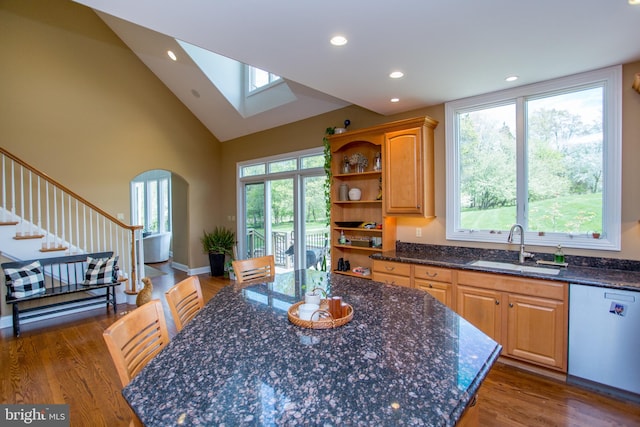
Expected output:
{"points": [[8, 223], [54, 249], [25, 236]]}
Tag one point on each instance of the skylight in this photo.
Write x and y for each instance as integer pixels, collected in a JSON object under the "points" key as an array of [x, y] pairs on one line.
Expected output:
{"points": [[230, 78]]}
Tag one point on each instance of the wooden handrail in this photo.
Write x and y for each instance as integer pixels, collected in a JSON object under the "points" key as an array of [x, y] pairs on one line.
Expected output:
{"points": [[69, 192], [136, 256]]}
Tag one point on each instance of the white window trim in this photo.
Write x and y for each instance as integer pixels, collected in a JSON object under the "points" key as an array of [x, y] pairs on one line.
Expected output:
{"points": [[612, 161], [248, 81], [297, 175]]}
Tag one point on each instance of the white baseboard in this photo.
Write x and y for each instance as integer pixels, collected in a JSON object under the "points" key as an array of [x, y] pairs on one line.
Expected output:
{"points": [[190, 271]]}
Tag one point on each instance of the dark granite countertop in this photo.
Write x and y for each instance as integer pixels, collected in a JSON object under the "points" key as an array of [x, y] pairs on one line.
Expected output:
{"points": [[604, 272], [404, 359]]}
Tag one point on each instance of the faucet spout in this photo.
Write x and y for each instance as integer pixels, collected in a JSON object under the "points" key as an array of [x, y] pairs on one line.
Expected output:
{"points": [[523, 254]]}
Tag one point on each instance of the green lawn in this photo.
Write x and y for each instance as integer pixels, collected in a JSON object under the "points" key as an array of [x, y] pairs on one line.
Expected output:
{"points": [[577, 214]]}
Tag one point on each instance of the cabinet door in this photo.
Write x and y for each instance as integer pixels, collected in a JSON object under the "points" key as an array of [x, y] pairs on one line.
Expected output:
{"points": [[439, 290], [535, 330], [404, 171], [481, 307], [403, 165]]}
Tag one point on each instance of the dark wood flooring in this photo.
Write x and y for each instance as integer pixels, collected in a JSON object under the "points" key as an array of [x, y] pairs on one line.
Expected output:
{"points": [[66, 361]]}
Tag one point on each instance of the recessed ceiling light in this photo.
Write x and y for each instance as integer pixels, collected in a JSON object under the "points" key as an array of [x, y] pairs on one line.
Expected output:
{"points": [[172, 55], [396, 74], [634, 2], [395, 100], [338, 41], [511, 79]]}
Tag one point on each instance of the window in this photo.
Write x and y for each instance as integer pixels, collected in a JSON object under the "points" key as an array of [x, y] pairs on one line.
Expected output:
{"points": [[546, 156], [151, 202], [258, 79]]}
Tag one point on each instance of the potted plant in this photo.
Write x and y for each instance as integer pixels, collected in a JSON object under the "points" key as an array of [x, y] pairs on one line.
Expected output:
{"points": [[218, 244]]}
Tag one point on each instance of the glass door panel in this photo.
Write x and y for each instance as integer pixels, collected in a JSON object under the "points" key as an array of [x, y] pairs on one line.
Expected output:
{"points": [[315, 229], [282, 222], [254, 226]]}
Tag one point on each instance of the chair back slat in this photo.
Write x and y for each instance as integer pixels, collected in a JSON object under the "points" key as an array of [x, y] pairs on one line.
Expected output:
{"points": [[259, 268], [136, 338], [185, 301]]}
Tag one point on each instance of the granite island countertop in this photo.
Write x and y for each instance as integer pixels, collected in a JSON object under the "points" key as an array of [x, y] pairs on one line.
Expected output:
{"points": [[603, 272], [404, 359]]}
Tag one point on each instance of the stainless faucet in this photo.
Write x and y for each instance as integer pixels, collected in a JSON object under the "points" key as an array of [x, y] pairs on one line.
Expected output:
{"points": [[523, 254]]}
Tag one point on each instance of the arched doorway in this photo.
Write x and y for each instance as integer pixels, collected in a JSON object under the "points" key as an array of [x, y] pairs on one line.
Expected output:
{"points": [[159, 200]]}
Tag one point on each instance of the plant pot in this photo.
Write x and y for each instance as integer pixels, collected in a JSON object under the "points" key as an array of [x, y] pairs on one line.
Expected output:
{"points": [[216, 262]]}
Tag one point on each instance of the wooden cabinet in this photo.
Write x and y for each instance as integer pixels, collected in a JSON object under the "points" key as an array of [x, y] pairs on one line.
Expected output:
{"points": [[392, 273], [436, 281], [533, 326], [481, 307], [361, 242], [529, 317], [408, 169]]}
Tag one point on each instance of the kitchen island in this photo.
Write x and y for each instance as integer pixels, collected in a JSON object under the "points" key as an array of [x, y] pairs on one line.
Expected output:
{"points": [[404, 359]]}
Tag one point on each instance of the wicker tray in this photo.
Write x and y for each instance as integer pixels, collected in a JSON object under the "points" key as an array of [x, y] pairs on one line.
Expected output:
{"points": [[326, 323]]}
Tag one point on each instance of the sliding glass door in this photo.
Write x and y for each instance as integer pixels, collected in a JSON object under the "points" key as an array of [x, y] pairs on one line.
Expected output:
{"points": [[282, 210]]}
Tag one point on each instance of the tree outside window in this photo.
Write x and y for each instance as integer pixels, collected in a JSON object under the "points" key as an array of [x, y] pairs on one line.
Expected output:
{"points": [[540, 158]]}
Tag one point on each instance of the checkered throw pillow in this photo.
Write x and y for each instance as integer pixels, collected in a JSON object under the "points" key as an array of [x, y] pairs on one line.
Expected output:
{"points": [[25, 281], [101, 271]]}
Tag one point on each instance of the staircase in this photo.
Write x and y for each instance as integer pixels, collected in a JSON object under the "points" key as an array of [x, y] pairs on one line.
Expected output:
{"points": [[40, 218]]}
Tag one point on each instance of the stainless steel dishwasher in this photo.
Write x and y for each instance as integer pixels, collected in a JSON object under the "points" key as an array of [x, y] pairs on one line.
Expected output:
{"points": [[604, 339]]}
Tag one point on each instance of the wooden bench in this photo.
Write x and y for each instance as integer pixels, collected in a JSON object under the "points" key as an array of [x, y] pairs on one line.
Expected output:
{"points": [[62, 276]]}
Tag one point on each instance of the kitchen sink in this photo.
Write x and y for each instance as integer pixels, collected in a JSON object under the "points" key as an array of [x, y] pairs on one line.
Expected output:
{"points": [[515, 267]]}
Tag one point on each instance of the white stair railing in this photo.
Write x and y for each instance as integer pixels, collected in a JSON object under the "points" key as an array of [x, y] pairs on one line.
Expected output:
{"points": [[63, 220]]}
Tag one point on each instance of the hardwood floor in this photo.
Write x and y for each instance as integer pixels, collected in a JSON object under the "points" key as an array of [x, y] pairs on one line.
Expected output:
{"points": [[68, 362]]}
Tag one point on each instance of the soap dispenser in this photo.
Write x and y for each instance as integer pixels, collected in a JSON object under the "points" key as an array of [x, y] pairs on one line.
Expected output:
{"points": [[558, 257]]}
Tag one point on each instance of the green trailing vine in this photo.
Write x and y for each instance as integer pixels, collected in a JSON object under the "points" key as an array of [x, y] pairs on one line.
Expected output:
{"points": [[327, 184], [327, 170]]}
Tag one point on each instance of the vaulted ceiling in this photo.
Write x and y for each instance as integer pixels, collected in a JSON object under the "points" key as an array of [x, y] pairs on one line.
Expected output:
{"points": [[446, 49]]}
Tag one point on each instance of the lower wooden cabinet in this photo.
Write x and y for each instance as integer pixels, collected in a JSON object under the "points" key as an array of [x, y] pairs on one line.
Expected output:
{"points": [[535, 330], [392, 273], [436, 281], [529, 317], [482, 308]]}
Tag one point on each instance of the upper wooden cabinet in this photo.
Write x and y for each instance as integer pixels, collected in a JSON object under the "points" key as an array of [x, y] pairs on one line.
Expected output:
{"points": [[407, 141], [408, 168]]}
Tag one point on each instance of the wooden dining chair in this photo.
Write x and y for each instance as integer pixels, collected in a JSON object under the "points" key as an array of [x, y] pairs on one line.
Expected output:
{"points": [[185, 301], [136, 338], [254, 268]]}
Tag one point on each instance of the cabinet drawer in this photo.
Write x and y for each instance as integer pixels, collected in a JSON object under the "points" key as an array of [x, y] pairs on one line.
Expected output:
{"points": [[521, 285], [395, 268], [392, 279], [432, 273]]}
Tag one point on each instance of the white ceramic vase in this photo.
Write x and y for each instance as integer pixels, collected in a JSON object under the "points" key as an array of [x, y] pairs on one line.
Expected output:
{"points": [[355, 194]]}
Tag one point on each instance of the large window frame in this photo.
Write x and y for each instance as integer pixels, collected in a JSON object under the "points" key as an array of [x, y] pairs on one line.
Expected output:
{"points": [[297, 166], [610, 239]]}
